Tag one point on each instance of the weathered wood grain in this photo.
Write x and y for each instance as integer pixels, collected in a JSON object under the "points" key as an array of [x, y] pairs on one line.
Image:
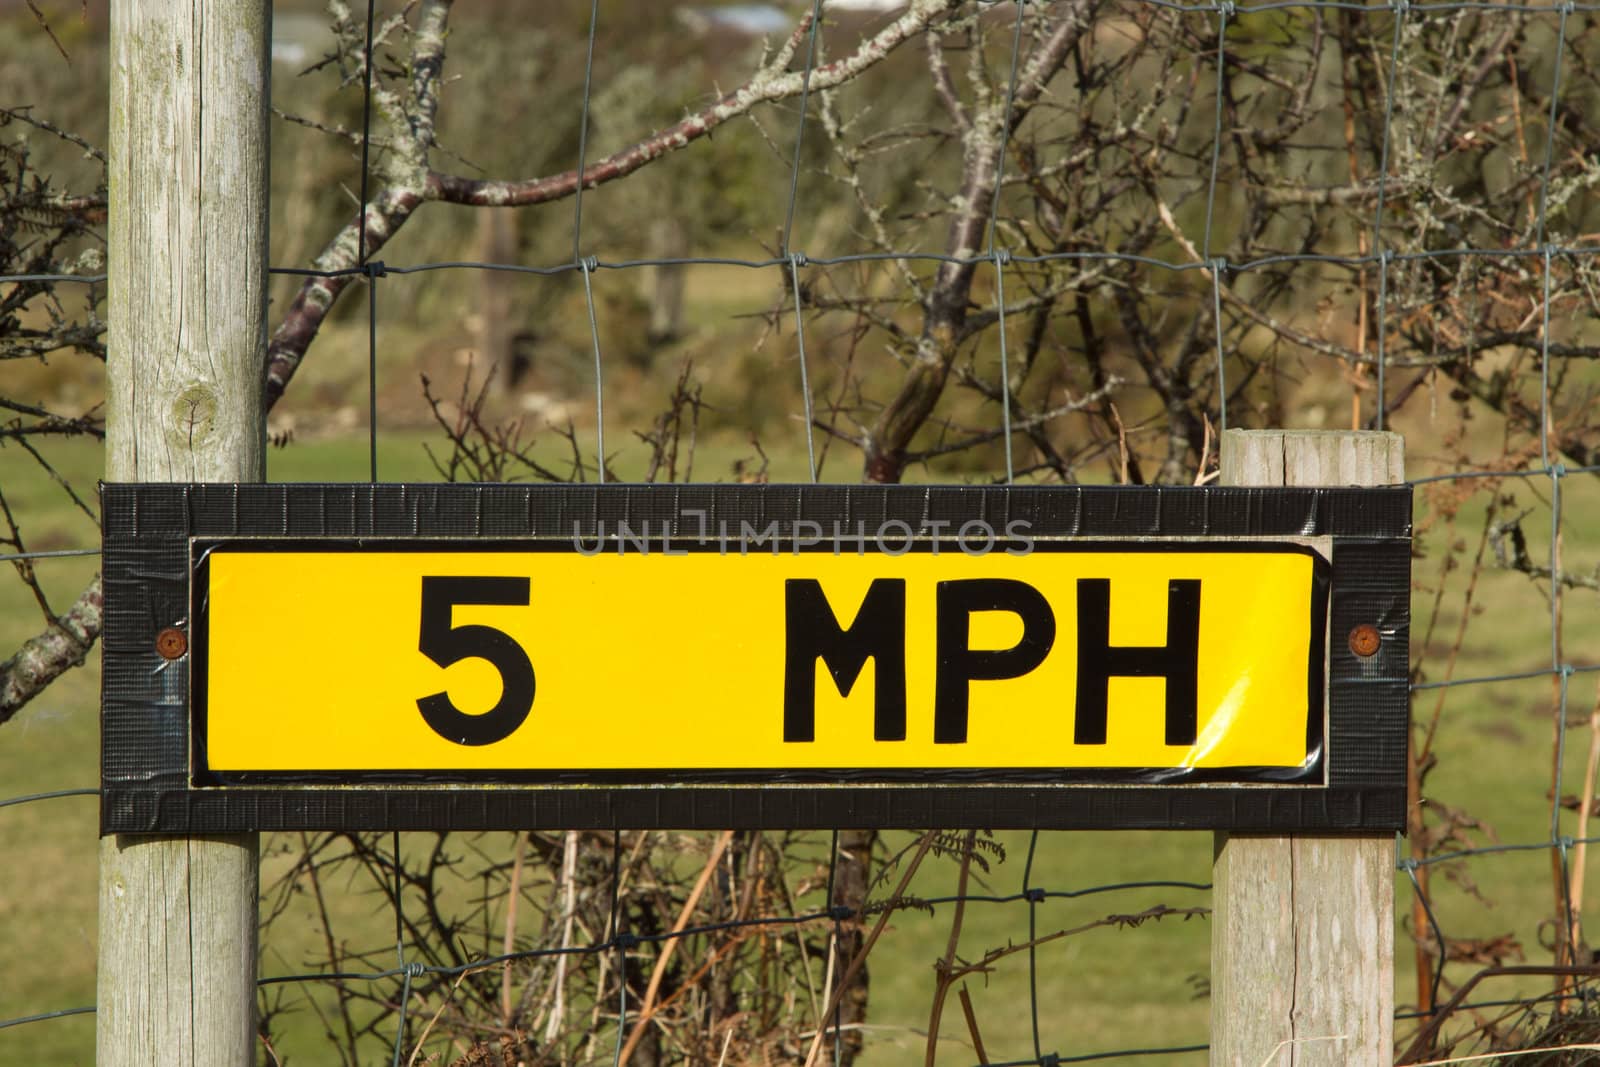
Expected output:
{"points": [[1302, 940], [185, 372]]}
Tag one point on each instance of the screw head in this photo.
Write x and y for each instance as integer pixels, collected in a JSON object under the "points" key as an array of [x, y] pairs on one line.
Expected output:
{"points": [[1365, 640], [172, 643]]}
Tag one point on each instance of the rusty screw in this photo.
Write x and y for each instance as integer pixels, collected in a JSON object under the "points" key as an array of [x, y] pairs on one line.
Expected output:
{"points": [[1364, 640], [172, 643]]}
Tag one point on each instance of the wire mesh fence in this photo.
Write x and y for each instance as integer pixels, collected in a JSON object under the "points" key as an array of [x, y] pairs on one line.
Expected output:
{"points": [[1150, 175]]}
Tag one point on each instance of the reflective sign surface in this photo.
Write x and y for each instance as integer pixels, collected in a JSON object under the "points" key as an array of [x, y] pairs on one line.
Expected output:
{"points": [[1033, 659]]}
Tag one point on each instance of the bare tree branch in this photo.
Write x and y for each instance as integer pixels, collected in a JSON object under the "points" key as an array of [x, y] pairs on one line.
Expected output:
{"points": [[414, 183], [947, 303], [405, 167], [770, 84], [46, 656]]}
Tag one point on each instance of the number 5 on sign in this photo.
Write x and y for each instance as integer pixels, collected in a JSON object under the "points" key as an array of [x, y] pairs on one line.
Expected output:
{"points": [[446, 644]]}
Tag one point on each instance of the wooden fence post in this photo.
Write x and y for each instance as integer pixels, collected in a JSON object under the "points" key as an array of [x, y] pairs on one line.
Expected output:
{"points": [[185, 375], [1302, 940]]}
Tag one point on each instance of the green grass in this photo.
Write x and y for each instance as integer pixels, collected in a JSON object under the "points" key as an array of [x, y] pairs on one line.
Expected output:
{"points": [[48, 884], [1104, 989]]}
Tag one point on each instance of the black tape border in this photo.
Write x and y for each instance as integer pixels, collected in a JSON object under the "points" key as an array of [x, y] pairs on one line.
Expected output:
{"points": [[150, 530]]}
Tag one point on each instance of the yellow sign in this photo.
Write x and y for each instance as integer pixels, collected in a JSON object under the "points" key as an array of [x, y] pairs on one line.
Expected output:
{"points": [[457, 659]]}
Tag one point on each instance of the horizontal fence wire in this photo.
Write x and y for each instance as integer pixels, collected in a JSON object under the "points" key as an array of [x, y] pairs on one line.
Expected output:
{"points": [[32, 798], [787, 262], [54, 553]]}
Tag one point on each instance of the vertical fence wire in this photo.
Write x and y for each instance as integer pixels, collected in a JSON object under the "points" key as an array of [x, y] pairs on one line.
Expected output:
{"points": [[835, 948], [620, 944], [1391, 76], [1001, 257], [1033, 943], [372, 275], [587, 264], [1216, 266], [792, 261], [617, 942]]}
